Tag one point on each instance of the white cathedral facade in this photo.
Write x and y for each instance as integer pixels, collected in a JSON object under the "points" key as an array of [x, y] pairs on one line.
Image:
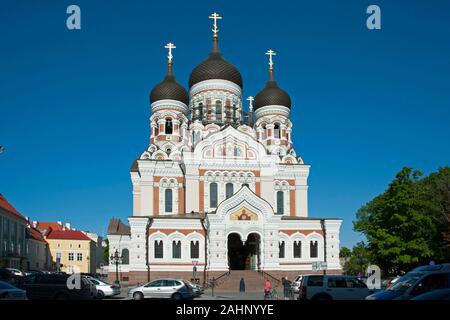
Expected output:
{"points": [[220, 187]]}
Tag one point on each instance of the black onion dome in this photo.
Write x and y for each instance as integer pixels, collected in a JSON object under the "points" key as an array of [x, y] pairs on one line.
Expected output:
{"points": [[215, 67], [272, 94], [169, 88]]}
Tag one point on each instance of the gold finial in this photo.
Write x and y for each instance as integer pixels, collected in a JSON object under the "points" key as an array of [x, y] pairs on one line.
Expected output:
{"points": [[215, 16], [271, 53], [170, 46]]}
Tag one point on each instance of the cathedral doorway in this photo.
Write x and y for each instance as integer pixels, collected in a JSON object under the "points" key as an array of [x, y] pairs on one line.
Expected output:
{"points": [[244, 255]]}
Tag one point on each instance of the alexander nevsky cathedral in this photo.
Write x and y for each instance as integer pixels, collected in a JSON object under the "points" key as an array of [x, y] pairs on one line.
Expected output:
{"points": [[220, 187]]}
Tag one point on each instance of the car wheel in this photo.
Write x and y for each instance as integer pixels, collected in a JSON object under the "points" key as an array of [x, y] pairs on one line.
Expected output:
{"points": [[177, 296], [62, 296], [100, 294], [138, 296]]}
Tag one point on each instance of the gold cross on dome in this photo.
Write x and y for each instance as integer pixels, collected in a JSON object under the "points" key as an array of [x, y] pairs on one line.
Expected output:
{"points": [[170, 46], [251, 99], [271, 53], [215, 16]]}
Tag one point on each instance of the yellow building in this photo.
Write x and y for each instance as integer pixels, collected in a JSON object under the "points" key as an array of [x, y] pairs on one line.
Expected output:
{"points": [[71, 250]]}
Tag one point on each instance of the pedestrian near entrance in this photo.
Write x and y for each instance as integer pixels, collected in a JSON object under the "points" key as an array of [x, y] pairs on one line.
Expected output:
{"points": [[286, 288], [266, 289], [242, 285]]}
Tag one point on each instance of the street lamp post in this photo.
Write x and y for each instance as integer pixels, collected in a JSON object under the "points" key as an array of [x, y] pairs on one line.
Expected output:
{"points": [[116, 258]]}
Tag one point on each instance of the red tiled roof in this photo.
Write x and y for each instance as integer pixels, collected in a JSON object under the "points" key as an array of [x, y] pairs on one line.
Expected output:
{"points": [[36, 235], [4, 204], [67, 235], [47, 225]]}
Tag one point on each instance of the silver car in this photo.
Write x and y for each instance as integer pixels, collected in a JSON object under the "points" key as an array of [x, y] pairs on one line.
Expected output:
{"points": [[9, 292], [163, 289], [104, 289]]}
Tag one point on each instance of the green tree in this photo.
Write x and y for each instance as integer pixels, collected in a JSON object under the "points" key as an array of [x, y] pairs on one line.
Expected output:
{"points": [[106, 252], [397, 225], [359, 259], [345, 252]]}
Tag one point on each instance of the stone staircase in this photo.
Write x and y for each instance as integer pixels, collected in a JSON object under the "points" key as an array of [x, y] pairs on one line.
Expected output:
{"points": [[254, 281]]}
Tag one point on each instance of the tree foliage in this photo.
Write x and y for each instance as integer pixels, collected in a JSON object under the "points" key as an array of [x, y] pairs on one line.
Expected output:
{"points": [[408, 224], [359, 260]]}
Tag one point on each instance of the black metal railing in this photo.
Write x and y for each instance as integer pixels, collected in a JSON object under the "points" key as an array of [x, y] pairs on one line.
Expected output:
{"points": [[274, 281]]}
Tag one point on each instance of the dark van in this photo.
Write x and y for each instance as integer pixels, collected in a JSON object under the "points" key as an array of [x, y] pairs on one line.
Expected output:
{"points": [[55, 287]]}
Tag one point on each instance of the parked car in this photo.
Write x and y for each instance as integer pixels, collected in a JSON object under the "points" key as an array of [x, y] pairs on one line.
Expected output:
{"points": [[295, 285], [55, 287], [163, 288], [332, 287], [197, 289], [9, 292], [442, 294], [416, 282], [7, 276], [30, 272], [16, 272], [104, 289]]}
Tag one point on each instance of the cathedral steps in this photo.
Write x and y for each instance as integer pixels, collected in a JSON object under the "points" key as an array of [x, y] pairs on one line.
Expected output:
{"points": [[254, 281]]}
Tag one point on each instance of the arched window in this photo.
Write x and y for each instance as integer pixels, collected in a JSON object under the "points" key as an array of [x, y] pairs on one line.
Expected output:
{"points": [[168, 200], [229, 190], [169, 128], [159, 249], [280, 202], [176, 249], [264, 132], [213, 195], [218, 110], [276, 131], [125, 256], [297, 249], [313, 249], [195, 249], [281, 247], [200, 111]]}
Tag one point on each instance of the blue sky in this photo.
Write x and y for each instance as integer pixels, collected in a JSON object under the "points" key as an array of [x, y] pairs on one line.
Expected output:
{"points": [[74, 104]]}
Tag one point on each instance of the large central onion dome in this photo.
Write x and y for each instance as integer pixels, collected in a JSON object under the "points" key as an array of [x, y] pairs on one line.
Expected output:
{"points": [[271, 95], [215, 67], [170, 89]]}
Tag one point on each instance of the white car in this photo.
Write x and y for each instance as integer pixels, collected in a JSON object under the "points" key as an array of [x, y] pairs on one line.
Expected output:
{"points": [[105, 289], [16, 272], [9, 292], [296, 283]]}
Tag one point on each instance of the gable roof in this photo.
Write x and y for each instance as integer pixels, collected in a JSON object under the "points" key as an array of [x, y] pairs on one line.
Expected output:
{"points": [[35, 235], [117, 227], [42, 226], [5, 205], [66, 235]]}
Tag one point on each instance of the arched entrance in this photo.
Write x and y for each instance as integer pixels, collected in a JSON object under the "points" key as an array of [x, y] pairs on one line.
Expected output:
{"points": [[244, 255]]}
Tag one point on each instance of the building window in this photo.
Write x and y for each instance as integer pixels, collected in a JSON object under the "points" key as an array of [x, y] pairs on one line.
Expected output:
{"points": [[219, 110], [276, 131], [195, 249], [159, 249], [229, 190], [281, 246], [176, 249], [70, 256], [125, 256], [280, 202], [79, 256], [297, 249], [169, 127], [213, 195], [264, 132], [313, 249], [168, 200]]}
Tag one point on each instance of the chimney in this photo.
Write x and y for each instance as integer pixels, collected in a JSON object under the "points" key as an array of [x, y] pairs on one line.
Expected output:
{"points": [[35, 224], [67, 226], [60, 223]]}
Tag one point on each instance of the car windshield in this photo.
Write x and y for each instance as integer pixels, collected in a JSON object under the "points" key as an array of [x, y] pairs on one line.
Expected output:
{"points": [[405, 282], [6, 285]]}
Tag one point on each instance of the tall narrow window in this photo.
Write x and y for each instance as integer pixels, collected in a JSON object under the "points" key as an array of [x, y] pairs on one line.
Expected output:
{"points": [[169, 128], [297, 249], [159, 249], [213, 195], [218, 110], [229, 190], [280, 202], [168, 200], [281, 246], [125, 256], [195, 249], [176, 249], [276, 131], [313, 249], [264, 132]]}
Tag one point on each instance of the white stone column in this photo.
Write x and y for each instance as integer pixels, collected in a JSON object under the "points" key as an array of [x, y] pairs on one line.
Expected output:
{"points": [[332, 227], [138, 250]]}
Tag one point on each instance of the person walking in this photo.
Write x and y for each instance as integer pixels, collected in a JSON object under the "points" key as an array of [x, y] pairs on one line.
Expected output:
{"points": [[267, 288], [286, 288], [242, 286]]}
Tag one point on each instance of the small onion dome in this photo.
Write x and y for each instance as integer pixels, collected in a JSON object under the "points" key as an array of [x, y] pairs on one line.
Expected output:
{"points": [[272, 94], [215, 67], [169, 88]]}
